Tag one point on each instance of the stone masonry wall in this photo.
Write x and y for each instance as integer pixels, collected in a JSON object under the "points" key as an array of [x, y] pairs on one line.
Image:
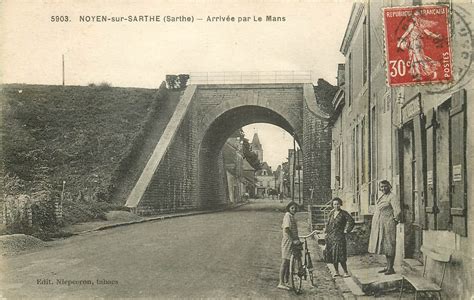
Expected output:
{"points": [[316, 160], [191, 173], [173, 186], [212, 101], [317, 147]]}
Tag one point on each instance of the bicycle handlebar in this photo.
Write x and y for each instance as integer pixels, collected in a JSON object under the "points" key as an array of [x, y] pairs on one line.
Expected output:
{"points": [[307, 236]]}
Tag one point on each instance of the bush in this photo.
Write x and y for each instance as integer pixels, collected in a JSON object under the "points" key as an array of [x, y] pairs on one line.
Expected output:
{"points": [[43, 214], [79, 135], [104, 84], [85, 208]]}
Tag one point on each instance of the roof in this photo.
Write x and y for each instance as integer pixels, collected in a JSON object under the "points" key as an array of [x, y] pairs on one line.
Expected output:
{"points": [[356, 13], [256, 142], [265, 167], [230, 157], [247, 167]]}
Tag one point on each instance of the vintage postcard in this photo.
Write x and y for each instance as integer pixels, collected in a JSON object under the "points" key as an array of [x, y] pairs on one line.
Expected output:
{"points": [[257, 149]]}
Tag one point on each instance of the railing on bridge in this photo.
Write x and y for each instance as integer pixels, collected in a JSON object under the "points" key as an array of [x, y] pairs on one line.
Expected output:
{"points": [[250, 77]]}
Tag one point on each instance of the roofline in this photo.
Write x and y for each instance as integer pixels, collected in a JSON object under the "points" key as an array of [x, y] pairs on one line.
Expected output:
{"points": [[356, 13]]}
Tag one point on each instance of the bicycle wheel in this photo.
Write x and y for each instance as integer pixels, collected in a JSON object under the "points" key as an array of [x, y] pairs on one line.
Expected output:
{"points": [[296, 280], [309, 268]]}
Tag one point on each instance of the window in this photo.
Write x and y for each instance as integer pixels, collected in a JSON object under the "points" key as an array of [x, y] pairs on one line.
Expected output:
{"points": [[355, 162], [349, 84], [362, 151], [364, 51], [373, 156], [341, 165], [356, 216], [337, 167]]}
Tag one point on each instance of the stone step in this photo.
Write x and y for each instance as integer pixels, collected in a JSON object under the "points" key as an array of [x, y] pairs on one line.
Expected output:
{"points": [[346, 285], [371, 282]]}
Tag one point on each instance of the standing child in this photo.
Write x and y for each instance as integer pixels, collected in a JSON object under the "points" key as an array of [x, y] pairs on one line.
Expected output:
{"points": [[290, 237]]}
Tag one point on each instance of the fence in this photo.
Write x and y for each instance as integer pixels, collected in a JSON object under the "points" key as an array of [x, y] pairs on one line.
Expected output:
{"points": [[250, 77], [19, 213]]}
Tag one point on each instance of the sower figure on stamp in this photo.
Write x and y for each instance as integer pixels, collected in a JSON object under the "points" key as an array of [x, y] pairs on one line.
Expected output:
{"points": [[384, 226], [420, 64]]}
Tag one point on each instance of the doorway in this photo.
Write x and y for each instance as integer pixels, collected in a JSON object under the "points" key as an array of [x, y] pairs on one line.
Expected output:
{"points": [[410, 196]]}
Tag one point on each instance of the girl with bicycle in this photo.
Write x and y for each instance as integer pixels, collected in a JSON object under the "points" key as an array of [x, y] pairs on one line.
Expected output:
{"points": [[290, 238]]}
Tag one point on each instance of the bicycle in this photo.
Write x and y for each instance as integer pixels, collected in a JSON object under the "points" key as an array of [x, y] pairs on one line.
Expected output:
{"points": [[301, 270]]}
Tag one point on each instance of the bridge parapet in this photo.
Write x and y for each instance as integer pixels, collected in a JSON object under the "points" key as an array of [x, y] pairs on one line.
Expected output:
{"points": [[251, 77]]}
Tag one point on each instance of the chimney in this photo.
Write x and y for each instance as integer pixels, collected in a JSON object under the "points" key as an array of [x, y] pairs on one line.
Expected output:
{"points": [[340, 74]]}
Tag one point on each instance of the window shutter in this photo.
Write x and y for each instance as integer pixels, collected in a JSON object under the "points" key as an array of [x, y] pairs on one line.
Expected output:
{"points": [[458, 163], [442, 185], [430, 208], [333, 171]]}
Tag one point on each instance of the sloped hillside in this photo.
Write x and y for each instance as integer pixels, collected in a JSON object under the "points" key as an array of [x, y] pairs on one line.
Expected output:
{"points": [[73, 134]]}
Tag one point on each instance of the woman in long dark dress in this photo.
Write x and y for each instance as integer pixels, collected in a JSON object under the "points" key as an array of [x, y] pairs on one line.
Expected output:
{"points": [[339, 223]]}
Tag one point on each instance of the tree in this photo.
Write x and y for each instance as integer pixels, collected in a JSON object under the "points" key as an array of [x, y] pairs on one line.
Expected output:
{"points": [[171, 81], [183, 80], [249, 155], [177, 81]]}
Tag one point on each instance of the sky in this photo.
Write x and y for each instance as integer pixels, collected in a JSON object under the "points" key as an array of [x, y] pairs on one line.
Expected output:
{"points": [[34, 35], [275, 142]]}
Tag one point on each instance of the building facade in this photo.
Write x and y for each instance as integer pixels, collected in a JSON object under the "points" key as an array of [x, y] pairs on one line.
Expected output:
{"points": [[417, 137], [265, 181], [239, 173], [295, 166]]}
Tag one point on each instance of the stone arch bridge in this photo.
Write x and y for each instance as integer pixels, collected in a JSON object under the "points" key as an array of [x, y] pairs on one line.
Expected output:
{"points": [[186, 169]]}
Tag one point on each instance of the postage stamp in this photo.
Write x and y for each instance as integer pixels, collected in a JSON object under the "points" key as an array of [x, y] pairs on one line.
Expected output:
{"points": [[417, 45]]}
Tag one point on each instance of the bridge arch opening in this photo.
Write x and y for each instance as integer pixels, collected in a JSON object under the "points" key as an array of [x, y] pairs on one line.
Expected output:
{"points": [[212, 177]]}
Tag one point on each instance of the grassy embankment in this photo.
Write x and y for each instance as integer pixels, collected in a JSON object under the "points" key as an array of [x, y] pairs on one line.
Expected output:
{"points": [[79, 136]]}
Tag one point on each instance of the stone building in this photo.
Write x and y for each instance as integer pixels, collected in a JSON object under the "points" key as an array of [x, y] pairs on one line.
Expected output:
{"points": [[265, 181], [239, 173], [417, 137]]}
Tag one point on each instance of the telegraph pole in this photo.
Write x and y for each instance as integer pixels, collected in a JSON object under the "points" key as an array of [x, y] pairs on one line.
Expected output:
{"points": [[294, 171], [299, 177], [63, 69]]}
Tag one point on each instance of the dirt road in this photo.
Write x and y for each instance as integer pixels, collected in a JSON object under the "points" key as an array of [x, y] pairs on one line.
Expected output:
{"points": [[232, 254]]}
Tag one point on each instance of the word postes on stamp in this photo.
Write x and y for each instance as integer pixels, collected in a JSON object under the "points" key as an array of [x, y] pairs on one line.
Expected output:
{"points": [[417, 45]]}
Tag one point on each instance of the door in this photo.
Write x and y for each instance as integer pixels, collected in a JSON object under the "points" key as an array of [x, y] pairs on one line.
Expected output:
{"points": [[419, 192], [406, 201], [410, 196]]}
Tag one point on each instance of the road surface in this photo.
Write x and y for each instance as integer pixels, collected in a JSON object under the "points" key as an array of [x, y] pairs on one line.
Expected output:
{"points": [[231, 254]]}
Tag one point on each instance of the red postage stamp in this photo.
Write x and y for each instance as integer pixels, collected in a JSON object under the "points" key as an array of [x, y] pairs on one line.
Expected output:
{"points": [[417, 45]]}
